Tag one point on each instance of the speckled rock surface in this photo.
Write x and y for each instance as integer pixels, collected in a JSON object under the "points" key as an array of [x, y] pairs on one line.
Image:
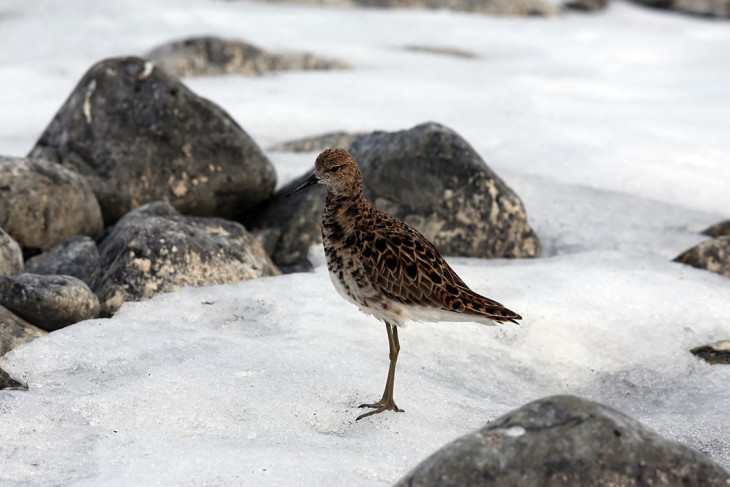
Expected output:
{"points": [[76, 256], [213, 56], [712, 255], [11, 257], [154, 249], [427, 176], [42, 203], [140, 135], [569, 442], [15, 331]]}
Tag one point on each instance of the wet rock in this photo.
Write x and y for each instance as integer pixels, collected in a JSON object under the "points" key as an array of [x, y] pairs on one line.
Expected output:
{"points": [[719, 230], [705, 8], [213, 56], [427, 176], [317, 143], [76, 256], [140, 135], [49, 302], [712, 255], [15, 331], [11, 257], [565, 441], [154, 250], [714, 353], [42, 204]]}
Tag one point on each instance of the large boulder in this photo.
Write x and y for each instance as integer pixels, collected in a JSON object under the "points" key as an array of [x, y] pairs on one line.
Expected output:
{"points": [[15, 331], [429, 177], [705, 8], [48, 302], [140, 135], [213, 56], [77, 256], [11, 257], [42, 204], [565, 441], [154, 249], [712, 255]]}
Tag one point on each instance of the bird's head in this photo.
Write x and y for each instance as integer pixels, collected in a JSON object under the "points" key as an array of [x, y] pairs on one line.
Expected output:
{"points": [[338, 170]]}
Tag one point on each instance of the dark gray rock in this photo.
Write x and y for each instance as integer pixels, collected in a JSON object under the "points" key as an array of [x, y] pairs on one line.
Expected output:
{"points": [[11, 257], [15, 331], [565, 441], [213, 56], [49, 302], [705, 8], [427, 176], [42, 204], [719, 230], [140, 135], [712, 255], [155, 249], [714, 353], [76, 256], [317, 143], [586, 5]]}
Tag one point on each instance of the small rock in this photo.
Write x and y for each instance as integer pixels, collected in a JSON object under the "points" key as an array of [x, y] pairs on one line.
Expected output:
{"points": [[586, 5], [213, 56], [140, 135], [712, 255], [721, 229], [76, 256], [565, 441], [440, 51], [427, 176], [318, 143], [42, 203], [154, 249], [705, 8], [15, 331], [7, 382], [11, 257], [49, 302], [490, 7], [714, 353]]}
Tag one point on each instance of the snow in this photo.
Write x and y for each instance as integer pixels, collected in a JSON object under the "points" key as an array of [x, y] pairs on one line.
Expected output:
{"points": [[611, 127]]}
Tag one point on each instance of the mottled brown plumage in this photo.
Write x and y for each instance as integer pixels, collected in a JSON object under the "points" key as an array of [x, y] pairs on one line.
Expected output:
{"points": [[387, 268]]}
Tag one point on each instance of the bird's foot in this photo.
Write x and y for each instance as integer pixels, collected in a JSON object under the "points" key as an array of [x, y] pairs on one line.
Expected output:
{"points": [[385, 404]]}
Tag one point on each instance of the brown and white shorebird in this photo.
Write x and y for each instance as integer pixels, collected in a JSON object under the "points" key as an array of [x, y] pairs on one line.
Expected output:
{"points": [[385, 267]]}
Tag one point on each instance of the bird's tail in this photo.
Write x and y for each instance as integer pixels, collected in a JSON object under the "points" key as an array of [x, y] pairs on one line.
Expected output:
{"points": [[478, 305]]}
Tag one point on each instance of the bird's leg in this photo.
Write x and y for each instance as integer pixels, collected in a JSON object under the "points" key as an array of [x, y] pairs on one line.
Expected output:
{"points": [[387, 403]]}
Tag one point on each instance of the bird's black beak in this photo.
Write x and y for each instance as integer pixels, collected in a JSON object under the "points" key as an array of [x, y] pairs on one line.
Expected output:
{"points": [[304, 184]]}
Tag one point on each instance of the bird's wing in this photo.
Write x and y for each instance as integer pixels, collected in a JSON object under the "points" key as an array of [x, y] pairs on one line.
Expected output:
{"points": [[403, 265]]}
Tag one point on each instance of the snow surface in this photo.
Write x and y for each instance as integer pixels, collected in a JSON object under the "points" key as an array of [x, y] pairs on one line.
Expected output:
{"points": [[613, 128]]}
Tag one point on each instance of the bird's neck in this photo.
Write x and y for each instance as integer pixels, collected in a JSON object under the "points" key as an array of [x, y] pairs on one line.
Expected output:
{"points": [[340, 210]]}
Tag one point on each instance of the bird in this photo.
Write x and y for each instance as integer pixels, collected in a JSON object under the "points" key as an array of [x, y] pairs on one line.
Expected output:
{"points": [[387, 268]]}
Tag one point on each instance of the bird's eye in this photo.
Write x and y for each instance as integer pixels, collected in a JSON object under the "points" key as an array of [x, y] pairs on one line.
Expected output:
{"points": [[335, 168]]}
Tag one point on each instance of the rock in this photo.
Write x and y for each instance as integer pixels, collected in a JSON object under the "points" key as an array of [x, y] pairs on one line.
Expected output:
{"points": [[705, 8], [441, 51], [586, 5], [714, 353], [11, 257], [490, 7], [565, 441], [7, 382], [712, 255], [154, 250], [15, 331], [317, 143], [49, 302], [719, 230], [427, 176], [42, 204], [76, 256], [213, 56], [140, 135]]}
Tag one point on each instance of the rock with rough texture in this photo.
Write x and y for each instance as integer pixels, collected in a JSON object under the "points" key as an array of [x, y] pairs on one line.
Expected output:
{"points": [[15, 331], [155, 249], [49, 302], [76, 256], [213, 56], [565, 441], [714, 353], [42, 204], [712, 255], [11, 257], [317, 143], [140, 135], [427, 176], [705, 8], [718, 230]]}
